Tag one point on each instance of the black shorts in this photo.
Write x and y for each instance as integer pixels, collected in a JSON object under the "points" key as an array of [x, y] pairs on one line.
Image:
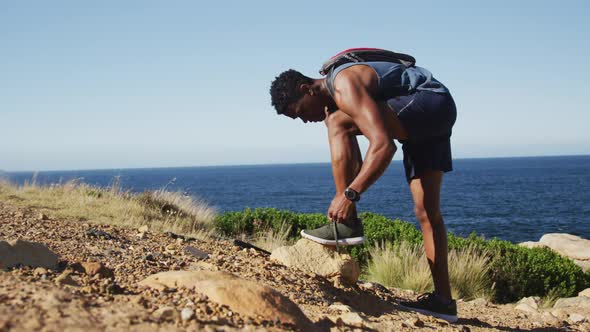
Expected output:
{"points": [[428, 117]]}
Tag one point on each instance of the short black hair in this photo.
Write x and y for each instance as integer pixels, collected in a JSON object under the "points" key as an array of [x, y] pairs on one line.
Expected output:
{"points": [[284, 90]]}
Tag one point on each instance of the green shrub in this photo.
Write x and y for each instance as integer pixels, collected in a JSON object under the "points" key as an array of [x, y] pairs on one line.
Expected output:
{"points": [[514, 271], [253, 221]]}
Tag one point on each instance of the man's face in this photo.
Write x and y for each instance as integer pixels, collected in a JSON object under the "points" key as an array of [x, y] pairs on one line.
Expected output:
{"points": [[308, 108]]}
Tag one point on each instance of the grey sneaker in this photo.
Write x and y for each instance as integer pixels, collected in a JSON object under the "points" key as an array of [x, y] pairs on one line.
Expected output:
{"points": [[337, 234], [428, 304]]}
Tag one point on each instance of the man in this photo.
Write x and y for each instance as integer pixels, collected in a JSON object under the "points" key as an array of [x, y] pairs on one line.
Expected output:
{"points": [[382, 101]]}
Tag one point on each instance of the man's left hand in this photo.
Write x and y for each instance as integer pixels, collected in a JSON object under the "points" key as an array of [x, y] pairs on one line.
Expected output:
{"points": [[340, 208]]}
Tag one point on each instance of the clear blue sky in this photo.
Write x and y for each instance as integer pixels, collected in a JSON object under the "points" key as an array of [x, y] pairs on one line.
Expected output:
{"points": [[116, 84]]}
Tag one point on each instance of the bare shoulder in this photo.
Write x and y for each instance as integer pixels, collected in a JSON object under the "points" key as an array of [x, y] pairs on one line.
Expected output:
{"points": [[354, 78]]}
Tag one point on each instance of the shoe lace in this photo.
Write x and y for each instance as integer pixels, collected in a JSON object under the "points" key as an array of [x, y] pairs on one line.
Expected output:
{"points": [[335, 229]]}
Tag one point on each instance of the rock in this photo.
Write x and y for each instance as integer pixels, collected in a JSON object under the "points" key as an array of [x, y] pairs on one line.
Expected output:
{"points": [[559, 313], [550, 319], [573, 302], [585, 292], [341, 307], [585, 265], [576, 318], [414, 322], [531, 244], [532, 301], [315, 258], [27, 253], [97, 233], [205, 266], [568, 245], [245, 297], [479, 302], [143, 229], [187, 314], [96, 268], [42, 216], [352, 319], [196, 252], [526, 308], [66, 279], [39, 271], [164, 313]]}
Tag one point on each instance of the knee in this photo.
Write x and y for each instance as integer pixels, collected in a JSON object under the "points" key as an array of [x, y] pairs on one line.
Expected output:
{"points": [[427, 216]]}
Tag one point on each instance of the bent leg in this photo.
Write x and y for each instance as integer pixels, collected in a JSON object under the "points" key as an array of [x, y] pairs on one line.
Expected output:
{"points": [[425, 190]]}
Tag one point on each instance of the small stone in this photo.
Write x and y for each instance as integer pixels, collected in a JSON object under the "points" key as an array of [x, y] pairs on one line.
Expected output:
{"points": [[97, 268], [367, 285], [164, 313], [42, 216], [65, 279], [341, 307], [576, 318], [187, 314], [352, 319], [479, 302], [143, 229], [196, 252], [39, 271], [142, 236], [465, 329], [414, 322]]}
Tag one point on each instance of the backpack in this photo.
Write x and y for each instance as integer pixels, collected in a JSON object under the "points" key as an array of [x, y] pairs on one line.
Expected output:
{"points": [[365, 55]]}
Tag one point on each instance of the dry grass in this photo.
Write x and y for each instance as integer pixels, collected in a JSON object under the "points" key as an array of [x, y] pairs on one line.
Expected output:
{"points": [[549, 300], [270, 239], [468, 272], [405, 266], [161, 210], [402, 266]]}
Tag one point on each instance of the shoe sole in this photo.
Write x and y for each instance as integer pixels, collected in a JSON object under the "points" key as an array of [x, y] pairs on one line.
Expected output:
{"points": [[349, 241], [448, 318]]}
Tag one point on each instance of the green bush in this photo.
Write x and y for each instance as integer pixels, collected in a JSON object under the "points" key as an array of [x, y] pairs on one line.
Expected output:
{"points": [[515, 271]]}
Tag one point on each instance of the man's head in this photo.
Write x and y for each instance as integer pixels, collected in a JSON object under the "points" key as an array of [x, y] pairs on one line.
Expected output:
{"points": [[298, 96]]}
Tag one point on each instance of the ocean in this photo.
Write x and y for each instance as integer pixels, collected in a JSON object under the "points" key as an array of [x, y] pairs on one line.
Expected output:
{"points": [[515, 199]]}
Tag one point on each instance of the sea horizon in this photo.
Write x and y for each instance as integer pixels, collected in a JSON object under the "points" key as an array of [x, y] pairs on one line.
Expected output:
{"points": [[263, 164]]}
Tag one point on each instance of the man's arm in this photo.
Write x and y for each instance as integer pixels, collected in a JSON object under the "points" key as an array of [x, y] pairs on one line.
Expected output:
{"points": [[344, 151], [353, 97]]}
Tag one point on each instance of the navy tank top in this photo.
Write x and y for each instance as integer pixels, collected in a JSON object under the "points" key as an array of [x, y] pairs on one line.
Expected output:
{"points": [[393, 79]]}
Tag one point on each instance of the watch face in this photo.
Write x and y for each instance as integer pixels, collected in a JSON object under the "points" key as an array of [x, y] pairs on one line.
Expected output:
{"points": [[350, 194]]}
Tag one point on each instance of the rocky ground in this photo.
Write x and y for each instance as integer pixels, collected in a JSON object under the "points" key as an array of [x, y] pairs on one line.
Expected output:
{"points": [[106, 295]]}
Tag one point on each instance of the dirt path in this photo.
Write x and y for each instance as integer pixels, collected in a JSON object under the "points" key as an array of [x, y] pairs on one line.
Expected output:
{"points": [[32, 300]]}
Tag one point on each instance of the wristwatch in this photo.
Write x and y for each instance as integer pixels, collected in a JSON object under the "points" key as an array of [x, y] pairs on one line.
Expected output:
{"points": [[352, 195]]}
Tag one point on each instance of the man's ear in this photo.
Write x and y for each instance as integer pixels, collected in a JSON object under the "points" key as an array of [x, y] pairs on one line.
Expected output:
{"points": [[305, 88]]}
